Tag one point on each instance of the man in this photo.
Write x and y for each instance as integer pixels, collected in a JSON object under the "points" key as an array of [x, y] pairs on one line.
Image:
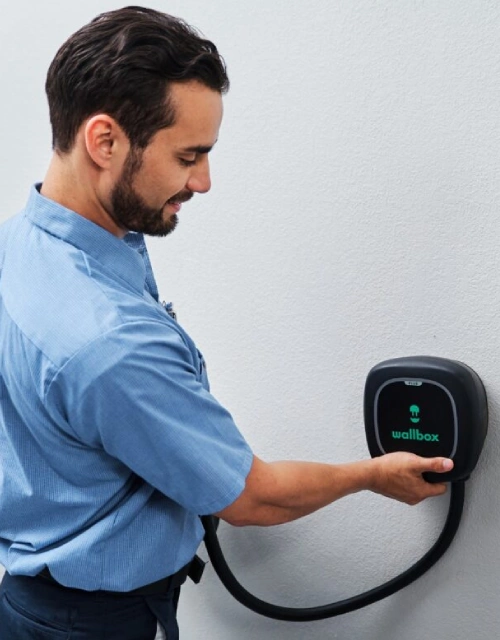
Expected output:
{"points": [[111, 444]]}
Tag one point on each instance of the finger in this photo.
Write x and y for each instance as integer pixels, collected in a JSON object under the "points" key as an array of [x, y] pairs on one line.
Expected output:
{"points": [[438, 489], [438, 465]]}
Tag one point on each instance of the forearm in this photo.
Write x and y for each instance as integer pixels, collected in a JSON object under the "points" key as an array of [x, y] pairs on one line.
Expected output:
{"points": [[300, 488]]}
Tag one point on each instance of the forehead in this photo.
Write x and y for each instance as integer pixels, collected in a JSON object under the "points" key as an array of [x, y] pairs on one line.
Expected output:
{"points": [[198, 115]]}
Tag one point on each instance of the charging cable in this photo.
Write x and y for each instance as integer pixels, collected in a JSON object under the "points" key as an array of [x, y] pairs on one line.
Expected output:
{"points": [[349, 604]]}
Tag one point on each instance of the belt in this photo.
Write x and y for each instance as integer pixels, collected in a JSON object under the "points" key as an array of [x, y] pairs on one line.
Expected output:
{"points": [[193, 569]]}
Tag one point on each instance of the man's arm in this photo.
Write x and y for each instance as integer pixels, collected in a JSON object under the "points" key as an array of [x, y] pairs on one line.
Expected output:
{"points": [[279, 492]]}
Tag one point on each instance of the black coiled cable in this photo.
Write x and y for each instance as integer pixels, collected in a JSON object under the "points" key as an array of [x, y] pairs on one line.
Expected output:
{"points": [[349, 604]]}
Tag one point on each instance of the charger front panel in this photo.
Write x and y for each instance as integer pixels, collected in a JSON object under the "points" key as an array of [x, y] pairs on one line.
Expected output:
{"points": [[415, 415]]}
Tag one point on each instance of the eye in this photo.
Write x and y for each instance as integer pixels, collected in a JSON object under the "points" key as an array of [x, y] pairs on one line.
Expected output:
{"points": [[187, 162]]}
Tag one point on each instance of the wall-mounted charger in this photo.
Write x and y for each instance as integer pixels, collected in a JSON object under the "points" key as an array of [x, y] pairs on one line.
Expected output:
{"points": [[429, 406]]}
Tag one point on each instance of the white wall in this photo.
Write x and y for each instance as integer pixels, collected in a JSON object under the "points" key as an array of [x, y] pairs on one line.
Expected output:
{"points": [[353, 218]]}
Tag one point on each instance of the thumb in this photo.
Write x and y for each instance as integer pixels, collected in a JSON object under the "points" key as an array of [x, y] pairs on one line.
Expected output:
{"points": [[438, 465]]}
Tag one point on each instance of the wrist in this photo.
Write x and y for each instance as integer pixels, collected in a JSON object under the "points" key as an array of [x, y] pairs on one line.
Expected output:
{"points": [[371, 474]]}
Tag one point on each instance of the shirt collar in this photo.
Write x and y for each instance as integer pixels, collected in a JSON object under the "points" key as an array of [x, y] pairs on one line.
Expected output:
{"points": [[118, 256]]}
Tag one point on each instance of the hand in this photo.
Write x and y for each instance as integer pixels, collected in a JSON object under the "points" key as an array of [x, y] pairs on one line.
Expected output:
{"points": [[399, 476]]}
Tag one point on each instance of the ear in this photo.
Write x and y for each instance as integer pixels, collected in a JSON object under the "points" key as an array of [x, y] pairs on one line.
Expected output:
{"points": [[105, 141]]}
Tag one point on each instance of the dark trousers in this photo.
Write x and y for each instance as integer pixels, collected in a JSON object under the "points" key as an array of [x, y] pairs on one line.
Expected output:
{"points": [[36, 609]]}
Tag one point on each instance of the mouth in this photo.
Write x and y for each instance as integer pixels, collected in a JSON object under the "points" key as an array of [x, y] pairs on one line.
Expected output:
{"points": [[175, 203], [174, 206]]}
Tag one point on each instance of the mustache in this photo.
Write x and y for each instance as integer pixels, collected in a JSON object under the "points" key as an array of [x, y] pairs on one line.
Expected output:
{"points": [[182, 196]]}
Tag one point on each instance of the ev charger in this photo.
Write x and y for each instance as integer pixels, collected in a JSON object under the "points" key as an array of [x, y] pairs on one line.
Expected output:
{"points": [[428, 406]]}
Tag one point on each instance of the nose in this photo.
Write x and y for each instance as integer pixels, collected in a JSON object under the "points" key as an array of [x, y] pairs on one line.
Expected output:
{"points": [[199, 180]]}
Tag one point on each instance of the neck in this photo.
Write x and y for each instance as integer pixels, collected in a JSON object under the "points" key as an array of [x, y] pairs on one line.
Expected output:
{"points": [[74, 187]]}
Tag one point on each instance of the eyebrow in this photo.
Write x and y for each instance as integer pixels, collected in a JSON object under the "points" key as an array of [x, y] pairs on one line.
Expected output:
{"points": [[198, 149]]}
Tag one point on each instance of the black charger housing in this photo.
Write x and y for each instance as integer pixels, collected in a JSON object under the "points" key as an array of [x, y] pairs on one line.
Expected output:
{"points": [[429, 406]]}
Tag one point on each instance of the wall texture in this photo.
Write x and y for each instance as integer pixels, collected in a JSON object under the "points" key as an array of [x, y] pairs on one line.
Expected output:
{"points": [[353, 218]]}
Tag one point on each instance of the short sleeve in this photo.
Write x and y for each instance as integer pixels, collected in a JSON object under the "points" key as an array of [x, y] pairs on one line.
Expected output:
{"points": [[136, 392]]}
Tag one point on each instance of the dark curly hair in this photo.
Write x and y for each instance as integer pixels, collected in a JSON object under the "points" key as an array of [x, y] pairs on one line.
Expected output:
{"points": [[122, 64]]}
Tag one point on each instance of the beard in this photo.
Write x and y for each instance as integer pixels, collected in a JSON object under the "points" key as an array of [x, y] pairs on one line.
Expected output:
{"points": [[131, 212]]}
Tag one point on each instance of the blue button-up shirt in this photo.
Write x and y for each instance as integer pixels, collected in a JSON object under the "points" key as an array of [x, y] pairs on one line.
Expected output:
{"points": [[110, 441]]}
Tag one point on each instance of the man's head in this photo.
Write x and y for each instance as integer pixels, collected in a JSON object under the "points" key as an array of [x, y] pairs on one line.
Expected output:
{"points": [[131, 84]]}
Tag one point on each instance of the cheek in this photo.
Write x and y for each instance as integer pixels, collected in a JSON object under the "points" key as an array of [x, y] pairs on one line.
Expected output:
{"points": [[160, 180]]}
